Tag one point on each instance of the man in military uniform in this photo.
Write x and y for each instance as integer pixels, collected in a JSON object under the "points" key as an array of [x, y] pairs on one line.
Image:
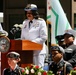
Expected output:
{"points": [[70, 49], [14, 69], [58, 65]]}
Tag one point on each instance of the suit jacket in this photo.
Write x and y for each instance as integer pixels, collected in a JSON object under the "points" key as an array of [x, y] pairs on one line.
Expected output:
{"points": [[59, 68]]}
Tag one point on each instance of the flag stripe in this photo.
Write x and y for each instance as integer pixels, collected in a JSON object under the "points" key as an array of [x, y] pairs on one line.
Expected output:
{"points": [[67, 25], [48, 16], [56, 22]]}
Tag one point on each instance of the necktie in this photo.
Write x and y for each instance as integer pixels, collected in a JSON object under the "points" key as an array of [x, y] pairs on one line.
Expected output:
{"points": [[30, 23]]}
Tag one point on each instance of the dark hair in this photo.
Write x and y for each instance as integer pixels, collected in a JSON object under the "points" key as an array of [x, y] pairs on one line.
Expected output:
{"points": [[34, 13]]}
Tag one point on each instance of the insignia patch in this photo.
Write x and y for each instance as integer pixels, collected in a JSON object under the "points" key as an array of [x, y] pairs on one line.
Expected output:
{"points": [[25, 26], [36, 24]]}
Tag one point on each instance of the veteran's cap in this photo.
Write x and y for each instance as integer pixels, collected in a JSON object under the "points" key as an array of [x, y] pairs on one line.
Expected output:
{"points": [[57, 48], [13, 55]]}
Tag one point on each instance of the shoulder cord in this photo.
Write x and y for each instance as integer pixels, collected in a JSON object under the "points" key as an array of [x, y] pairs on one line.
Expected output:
{"points": [[20, 72], [64, 68]]}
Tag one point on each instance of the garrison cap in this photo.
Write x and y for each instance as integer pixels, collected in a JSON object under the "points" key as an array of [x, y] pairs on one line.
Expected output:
{"points": [[57, 48], [13, 55]]}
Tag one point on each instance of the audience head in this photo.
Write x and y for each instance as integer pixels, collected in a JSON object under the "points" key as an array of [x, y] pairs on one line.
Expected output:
{"points": [[57, 53]]}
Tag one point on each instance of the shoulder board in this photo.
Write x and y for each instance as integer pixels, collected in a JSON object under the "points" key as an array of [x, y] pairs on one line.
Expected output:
{"points": [[40, 18], [6, 70], [65, 62], [25, 19]]}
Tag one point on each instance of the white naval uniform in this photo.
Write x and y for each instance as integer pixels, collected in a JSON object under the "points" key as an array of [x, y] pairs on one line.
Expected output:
{"points": [[36, 33]]}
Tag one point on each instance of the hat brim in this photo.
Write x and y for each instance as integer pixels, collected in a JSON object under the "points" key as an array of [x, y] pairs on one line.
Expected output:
{"points": [[3, 33], [59, 37], [28, 9], [71, 32]]}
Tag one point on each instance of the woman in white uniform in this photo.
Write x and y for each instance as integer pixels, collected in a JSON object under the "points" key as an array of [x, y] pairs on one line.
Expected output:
{"points": [[35, 30]]}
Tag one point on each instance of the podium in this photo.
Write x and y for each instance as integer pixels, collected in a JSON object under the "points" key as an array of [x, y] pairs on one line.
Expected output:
{"points": [[25, 48], [24, 45]]}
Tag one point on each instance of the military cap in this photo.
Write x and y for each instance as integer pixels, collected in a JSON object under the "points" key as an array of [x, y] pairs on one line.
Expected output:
{"points": [[60, 37], [13, 55], [30, 7], [69, 33], [57, 48]]}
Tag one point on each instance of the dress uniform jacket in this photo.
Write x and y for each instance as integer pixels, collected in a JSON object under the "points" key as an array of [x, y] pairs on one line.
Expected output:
{"points": [[17, 71], [62, 68], [37, 32], [70, 54]]}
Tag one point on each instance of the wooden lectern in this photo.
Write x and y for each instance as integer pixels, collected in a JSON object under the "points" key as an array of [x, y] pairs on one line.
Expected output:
{"points": [[25, 48], [24, 45]]}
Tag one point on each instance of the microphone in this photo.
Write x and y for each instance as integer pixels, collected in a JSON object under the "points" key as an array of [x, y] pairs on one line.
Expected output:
{"points": [[16, 28], [13, 30]]}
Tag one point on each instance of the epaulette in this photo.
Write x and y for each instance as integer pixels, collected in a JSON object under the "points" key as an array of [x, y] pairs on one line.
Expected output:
{"points": [[25, 19], [5, 71], [40, 19]]}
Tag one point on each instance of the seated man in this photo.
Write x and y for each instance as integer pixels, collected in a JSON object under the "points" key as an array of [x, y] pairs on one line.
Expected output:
{"points": [[58, 65], [14, 69], [70, 49]]}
